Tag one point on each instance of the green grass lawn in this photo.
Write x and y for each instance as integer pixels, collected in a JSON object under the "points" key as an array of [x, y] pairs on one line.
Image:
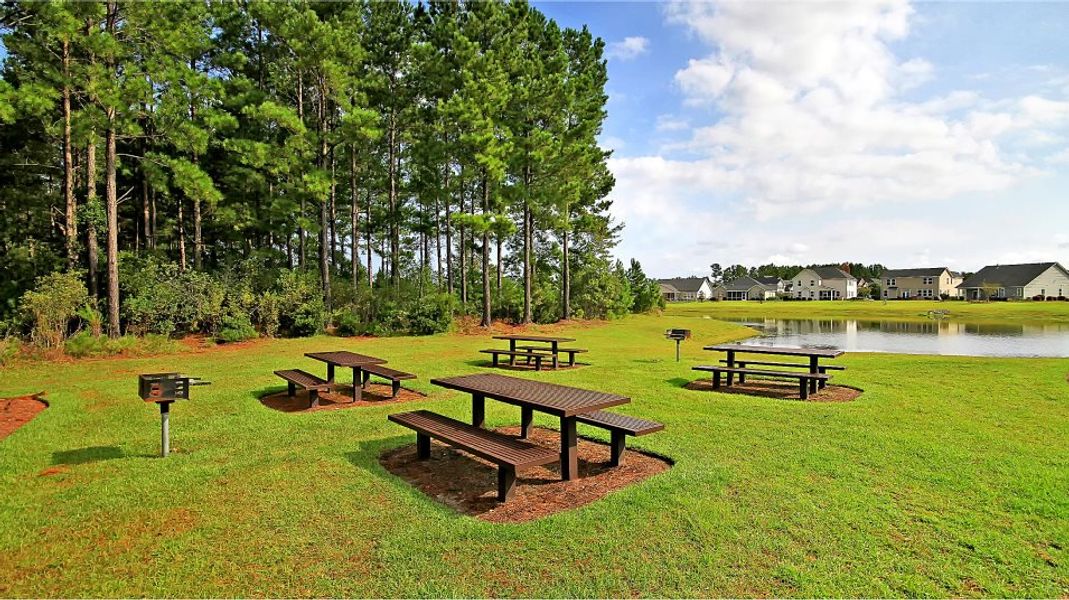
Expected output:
{"points": [[906, 310], [947, 477]]}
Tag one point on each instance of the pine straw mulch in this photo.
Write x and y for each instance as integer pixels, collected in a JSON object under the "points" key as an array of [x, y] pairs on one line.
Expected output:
{"points": [[375, 394], [778, 389], [16, 412], [468, 484]]}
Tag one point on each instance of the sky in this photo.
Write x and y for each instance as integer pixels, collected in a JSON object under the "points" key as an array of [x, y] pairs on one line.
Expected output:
{"points": [[906, 134]]}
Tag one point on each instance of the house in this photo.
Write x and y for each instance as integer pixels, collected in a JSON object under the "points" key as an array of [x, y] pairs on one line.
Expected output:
{"points": [[684, 289], [823, 283], [745, 288], [778, 285], [933, 282], [1048, 279]]}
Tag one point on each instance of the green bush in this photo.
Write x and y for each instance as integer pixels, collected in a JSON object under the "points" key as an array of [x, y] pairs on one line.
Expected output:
{"points": [[347, 323], [432, 314], [236, 328], [84, 344], [9, 348], [300, 304], [51, 306], [162, 298]]}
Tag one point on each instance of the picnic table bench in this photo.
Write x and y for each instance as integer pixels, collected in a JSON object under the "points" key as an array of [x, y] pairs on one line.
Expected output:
{"points": [[513, 354], [509, 454], [741, 363], [297, 378], [344, 358], [571, 352], [619, 426], [805, 380], [393, 375]]}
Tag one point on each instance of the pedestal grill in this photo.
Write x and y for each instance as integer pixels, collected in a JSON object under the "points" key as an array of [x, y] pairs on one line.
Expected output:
{"points": [[678, 335], [163, 389]]}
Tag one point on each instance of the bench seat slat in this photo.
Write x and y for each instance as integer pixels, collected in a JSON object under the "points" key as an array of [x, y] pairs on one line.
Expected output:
{"points": [[516, 353], [387, 372], [548, 349], [494, 447], [618, 422], [304, 379], [785, 364], [792, 375]]}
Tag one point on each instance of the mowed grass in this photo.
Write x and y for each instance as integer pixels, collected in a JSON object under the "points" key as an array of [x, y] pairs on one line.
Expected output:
{"points": [[948, 477], [1054, 312]]}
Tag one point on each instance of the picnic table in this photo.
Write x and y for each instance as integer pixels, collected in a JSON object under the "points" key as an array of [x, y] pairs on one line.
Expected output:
{"points": [[554, 344], [567, 403], [344, 358], [814, 355]]}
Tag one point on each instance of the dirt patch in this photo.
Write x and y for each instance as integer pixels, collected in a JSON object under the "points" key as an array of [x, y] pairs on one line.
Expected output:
{"points": [[469, 484], [778, 389], [375, 394], [16, 412]]}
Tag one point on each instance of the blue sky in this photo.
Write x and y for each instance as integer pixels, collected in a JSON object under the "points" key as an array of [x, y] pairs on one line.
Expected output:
{"points": [[921, 134]]}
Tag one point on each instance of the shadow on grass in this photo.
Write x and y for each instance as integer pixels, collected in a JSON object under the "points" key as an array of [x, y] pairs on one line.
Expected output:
{"points": [[677, 382], [86, 455]]}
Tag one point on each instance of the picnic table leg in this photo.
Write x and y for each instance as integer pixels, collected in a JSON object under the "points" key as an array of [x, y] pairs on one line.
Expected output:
{"points": [[803, 389], [512, 348], [618, 446], [813, 368], [313, 398], [526, 417], [357, 388], [569, 460], [742, 376], [716, 380], [731, 365], [553, 345], [478, 410], [330, 373], [823, 382], [423, 446]]}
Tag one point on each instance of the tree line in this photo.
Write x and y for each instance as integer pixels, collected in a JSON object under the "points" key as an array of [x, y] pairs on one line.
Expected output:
{"points": [[396, 148], [718, 273]]}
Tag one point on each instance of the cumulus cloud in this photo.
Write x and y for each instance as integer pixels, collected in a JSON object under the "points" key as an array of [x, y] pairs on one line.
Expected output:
{"points": [[628, 48]]}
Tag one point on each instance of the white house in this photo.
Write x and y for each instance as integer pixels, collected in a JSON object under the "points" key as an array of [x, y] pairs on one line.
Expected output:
{"points": [[1048, 279], [823, 283], [684, 289]]}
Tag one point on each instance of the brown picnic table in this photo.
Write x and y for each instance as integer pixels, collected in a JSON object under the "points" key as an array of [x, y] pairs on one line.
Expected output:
{"points": [[814, 355], [344, 358], [567, 403], [554, 344]]}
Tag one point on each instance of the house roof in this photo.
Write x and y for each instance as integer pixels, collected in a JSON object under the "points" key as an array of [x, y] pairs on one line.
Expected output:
{"points": [[922, 272], [743, 284], [771, 280], [1008, 276], [684, 284], [828, 272], [668, 288]]}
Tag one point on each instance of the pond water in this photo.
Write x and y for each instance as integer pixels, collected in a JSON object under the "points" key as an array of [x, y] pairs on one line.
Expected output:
{"points": [[936, 336]]}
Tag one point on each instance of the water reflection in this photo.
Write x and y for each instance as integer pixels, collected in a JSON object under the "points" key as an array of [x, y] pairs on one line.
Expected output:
{"points": [[935, 336]]}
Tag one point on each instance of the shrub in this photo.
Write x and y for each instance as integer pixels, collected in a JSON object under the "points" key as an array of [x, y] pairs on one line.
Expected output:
{"points": [[51, 306], [84, 344], [9, 348], [236, 327], [432, 314], [300, 304], [347, 323]]}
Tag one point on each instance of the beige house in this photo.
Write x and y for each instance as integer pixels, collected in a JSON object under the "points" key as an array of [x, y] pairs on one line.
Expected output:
{"points": [[1049, 280], [823, 283], [746, 288], [686, 289], [929, 283]]}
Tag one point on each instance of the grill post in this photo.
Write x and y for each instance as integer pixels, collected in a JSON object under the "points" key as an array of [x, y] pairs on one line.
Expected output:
{"points": [[165, 428]]}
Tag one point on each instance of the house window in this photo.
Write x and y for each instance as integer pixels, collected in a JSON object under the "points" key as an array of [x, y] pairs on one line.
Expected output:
{"points": [[929, 280], [885, 293], [811, 283], [891, 282]]}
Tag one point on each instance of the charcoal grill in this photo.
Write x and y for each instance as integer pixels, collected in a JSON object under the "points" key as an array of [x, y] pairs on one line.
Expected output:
{"points": [[163, 389], [678, 335]]}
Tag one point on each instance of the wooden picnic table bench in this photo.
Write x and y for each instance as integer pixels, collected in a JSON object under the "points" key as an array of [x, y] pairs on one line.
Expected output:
{"points": [[619, 426], [344, 358], [741, 363], [813, 354], [509, 454], [565, 402], [297, 378], [805, 380], [513, 354], [393, 375], [571, 352], [553, 341]]}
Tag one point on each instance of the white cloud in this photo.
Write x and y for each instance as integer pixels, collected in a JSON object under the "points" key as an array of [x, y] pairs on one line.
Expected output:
{"points": [[627, 49], [671, 123]]}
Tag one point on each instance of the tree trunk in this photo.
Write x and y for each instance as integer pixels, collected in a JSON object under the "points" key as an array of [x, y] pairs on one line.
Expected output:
{"points": [[70, 225], [324, 203], [111, 194], [181, 237], [334, 262], [566, 280], [91, 230], [300, 230], [367, 232], [486, 253], [528, 239], [448, 240], [395, 275], [354, 217]]}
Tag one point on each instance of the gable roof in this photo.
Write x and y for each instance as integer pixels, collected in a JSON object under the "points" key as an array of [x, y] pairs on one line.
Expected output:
{"points": [[828, 272], [923, 272], [770, 280], [1008, 276], [684, 284], [743, 284]]}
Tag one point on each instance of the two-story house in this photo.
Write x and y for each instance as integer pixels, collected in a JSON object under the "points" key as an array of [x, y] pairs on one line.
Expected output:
{"points": [[1048, 279], [823, 283], [928, 283]]}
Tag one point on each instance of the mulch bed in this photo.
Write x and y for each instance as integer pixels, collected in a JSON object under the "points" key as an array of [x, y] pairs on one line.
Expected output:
{"points": [[778, 389], [469, 484], [375, 394], [16, 412]]}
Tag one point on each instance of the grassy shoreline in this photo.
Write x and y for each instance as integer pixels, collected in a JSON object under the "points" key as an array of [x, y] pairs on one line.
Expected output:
{"points": [[905, 310], [945, 478]]}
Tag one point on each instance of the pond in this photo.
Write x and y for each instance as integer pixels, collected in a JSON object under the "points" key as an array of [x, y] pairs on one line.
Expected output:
{"points": [[935, 336]]}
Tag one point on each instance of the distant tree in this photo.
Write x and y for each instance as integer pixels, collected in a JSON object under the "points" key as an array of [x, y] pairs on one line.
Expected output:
{"points": [[716, 273]]}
